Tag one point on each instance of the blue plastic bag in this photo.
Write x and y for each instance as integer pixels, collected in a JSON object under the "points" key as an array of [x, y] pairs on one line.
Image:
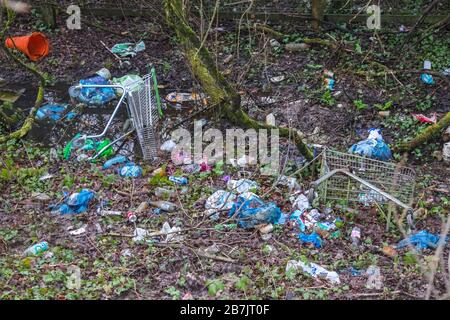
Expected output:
{"points": [[130, 170], [421, 240], [313, 238], [93, 96], [77, 202], [253, 211], [54, 112], [373, 147]]}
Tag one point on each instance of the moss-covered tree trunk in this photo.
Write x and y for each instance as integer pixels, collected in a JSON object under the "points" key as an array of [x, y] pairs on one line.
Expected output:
{"points": [[203, 67], [430, 133], [317, 12]]}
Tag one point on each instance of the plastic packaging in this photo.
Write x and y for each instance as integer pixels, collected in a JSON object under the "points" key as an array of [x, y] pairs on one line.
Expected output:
{"points": [[36, 249], [314, 270], [220, 199], [242, 185], [168, 146], [446, 152], [93, 96], [113, 161], [313, 238], [128, 49], [427, 78], [76, 203], [171, 233], [375, 280], [130, 170], [179, 180], [425, 119], [163, 192], [254, 211], [356, 236], [164, 205], [54, 112], [373, 147], [131, 81], [421, 240]]}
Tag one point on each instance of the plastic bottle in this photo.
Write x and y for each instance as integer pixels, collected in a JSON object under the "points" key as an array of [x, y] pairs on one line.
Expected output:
{"points": [[163, 192], [131, 170], [356, 236], [179, 180], [36, 248], [164, 205]]}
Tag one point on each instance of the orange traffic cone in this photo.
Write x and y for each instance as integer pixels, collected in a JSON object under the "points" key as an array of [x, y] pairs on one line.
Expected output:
{"points": [[35, 45]]}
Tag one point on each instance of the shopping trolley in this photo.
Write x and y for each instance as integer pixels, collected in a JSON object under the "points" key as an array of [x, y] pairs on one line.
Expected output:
{"points": [[356, 180], [144, 109]]}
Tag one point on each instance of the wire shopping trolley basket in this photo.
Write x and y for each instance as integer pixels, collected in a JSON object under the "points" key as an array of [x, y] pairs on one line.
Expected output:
{"points": [[356, 180], [144, 108]]}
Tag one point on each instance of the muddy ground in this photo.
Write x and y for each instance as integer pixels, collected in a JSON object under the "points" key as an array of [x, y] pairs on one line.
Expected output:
{"points": [[114, 267]]}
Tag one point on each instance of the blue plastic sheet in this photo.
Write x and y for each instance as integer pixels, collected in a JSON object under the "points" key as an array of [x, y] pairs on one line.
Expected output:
{"points": [[421, 240], [76, 203], [113, 161], [253, 211], [313, 238], [373, 147], [93, 96]]}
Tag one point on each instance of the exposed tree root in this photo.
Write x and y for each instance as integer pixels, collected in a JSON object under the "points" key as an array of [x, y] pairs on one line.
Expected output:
{"points": [[203, 67]]}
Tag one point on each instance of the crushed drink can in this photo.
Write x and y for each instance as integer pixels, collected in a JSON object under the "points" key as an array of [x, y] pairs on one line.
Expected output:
{"points": [[179, 180], [131, 216], [36, 248]]}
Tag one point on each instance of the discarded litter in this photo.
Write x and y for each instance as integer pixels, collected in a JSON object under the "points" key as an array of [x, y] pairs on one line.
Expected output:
{"points": [[253, 211], [75, 203], [290, 182], [40, 196], [329, 79], [109, 213], [77, 232], [91, 95], [373, 147], [131, 216], [46, 177], [113, 161], [164, 205], [171, 233], [277, 79], [389, 251], [242, 185], [314, 270], [179, 180], [54, 112], [312, 238], [176, 97], [128, 49], [132, 82], [213, 249], [375, 280], [422, 240], [295, 47], [130, 170], [139, 234], [446, 152], [168, 146], [356, 236], [163, 192], [425, 77], [270, 119], [301, 203], [425, 119], [268, 228], [369, 197], [36, 249], [219, 200]]}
